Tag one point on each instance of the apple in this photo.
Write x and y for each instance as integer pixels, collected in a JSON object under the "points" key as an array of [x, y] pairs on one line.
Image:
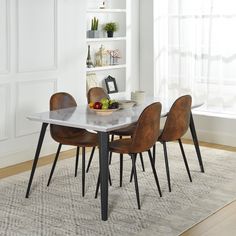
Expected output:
{"points": [[104, 101], [104, 106], [97, 105]]}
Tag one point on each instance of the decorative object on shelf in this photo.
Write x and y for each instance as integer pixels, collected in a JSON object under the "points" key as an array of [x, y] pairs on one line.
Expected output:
{"points": [[101, 57], [93, 32], [89, 62], [103, 6], [138, 96], [111, 85], [110, 28], [91, 81], [115, 55]]}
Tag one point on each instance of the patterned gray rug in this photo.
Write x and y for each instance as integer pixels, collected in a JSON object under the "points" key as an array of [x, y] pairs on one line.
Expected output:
{"points": [[61, 210]]}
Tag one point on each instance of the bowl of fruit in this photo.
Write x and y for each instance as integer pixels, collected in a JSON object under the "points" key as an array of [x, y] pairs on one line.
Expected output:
{"points": [[104, 107]]}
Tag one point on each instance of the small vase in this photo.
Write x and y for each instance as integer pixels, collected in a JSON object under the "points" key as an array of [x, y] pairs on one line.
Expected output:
{"points": [[110, 34], [89, 62], [93, 34]]}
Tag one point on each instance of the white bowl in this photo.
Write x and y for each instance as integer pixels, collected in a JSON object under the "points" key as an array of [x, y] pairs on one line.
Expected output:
{"points": [[104, 112], [125, 104]]}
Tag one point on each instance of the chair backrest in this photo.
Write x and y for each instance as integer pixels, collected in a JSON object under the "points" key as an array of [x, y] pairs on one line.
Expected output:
{"points": [[59, 101], [147, 128], [96, 94], [178, 118]]}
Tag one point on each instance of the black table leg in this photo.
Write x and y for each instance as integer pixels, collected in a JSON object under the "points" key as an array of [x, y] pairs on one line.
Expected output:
{"points": [[195, 141], [36, 157], [103, 161]]}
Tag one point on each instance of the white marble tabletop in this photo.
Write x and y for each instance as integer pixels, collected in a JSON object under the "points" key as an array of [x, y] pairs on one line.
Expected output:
{"points": [[82, 117]]}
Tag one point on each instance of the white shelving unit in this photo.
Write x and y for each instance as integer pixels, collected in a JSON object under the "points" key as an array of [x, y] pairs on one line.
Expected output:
{"points": [[102, 68], [106, 11], [91, 40], [115, 12]]}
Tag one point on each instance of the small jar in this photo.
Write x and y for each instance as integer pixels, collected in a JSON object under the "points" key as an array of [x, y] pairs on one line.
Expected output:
{"points": [[101, 57]]}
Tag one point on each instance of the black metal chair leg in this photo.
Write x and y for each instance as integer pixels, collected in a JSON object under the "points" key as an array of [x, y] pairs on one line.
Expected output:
{"points": [[110, 153], [54, 163], [76, 161], [110, 157], [83, 170], [121, 169], [131, 175], [185, 160], [141, 159], [97, 186], [154, 172], [109, 177], [98, 183], [90, 159], [132, 172], [135, 179], [167, 165], [154, 154]]}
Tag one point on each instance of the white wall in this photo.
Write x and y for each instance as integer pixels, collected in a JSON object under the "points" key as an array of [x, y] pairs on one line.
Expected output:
{"points": [[43, 50], [146, 46], [209, 128], [132, 44]]}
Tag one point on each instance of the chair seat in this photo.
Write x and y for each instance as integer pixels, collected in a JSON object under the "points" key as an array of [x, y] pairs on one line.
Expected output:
{"points": [[127, 131], [121, 146], [82, 138]]}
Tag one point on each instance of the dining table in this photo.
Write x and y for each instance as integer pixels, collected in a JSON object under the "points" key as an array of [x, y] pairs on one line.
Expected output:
{"points": [[83, 117]]}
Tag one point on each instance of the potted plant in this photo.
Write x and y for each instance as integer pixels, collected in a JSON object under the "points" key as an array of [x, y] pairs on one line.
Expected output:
{"points": [[93, 32], [110, 28]]}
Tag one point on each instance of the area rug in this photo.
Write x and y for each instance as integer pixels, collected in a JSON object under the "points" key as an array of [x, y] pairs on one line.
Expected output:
{"points": [[61, 210]]}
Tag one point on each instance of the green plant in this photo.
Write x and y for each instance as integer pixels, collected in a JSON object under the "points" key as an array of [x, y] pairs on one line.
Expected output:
{"points": [[110, 27], [94, 24]]}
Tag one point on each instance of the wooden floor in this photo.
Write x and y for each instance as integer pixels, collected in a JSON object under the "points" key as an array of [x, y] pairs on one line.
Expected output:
{"points": [[24, 166], [221, 223]]}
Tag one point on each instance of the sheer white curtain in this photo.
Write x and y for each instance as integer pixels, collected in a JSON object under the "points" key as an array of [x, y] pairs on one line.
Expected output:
{"points": [[195, 51]]}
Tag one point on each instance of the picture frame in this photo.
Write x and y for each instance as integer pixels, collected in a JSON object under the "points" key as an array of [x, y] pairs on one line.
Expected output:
{"points": [[111, 85], [91, 81]]}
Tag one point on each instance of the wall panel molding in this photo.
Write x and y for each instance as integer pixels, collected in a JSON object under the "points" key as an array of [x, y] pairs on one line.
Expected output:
{"points": [[5, 25], [32, 96], [4, 111], [32, 51]]}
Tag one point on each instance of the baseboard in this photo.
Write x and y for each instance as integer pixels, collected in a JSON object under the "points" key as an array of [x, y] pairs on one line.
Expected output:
{"points": [[28, 154], [44, 160], [214, 137], [218, 130]]}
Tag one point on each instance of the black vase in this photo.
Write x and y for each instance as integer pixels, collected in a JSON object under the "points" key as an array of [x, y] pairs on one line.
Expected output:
{"points": [[110, 34], [89, 62]]}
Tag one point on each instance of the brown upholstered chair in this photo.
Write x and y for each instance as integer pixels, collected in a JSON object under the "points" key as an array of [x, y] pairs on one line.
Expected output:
{"points": [[176, 125], [94, 95], [70, 136], [143, 138]]}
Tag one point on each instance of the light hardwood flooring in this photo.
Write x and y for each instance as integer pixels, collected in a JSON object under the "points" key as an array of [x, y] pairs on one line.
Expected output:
{"points": [[27, 165], [221, 223]]}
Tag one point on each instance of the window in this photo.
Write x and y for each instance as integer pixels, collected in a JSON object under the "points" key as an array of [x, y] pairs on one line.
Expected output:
{"points": [[195, 51]]}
